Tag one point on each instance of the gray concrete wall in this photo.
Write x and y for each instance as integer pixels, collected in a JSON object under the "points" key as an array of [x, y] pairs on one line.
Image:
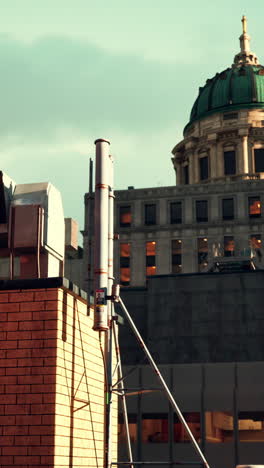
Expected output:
{"points": [[214, 317]]}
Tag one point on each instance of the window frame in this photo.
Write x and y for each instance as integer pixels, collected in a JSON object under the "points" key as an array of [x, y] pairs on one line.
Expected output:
{"points": [[202, 220], [203, 157], [254, 158], [149, 204], [226, 217], [120, 206], [229, 150], [171, 202], [256, 197]]}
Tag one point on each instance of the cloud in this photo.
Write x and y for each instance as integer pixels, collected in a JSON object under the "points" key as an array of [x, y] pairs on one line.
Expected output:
{"points": [[58, 82]]}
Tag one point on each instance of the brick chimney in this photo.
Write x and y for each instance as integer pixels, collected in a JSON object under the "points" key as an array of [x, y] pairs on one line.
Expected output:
{"points": [[51, 378]]}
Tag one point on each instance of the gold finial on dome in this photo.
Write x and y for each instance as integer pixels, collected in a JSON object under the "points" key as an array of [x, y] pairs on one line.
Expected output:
{"points": [[244, 23], [245, 56]]}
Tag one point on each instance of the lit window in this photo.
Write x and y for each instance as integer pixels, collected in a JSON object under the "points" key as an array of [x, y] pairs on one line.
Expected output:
{"points": [[230, 162], [125, 216], [155, 428], [254, 207], [150, 258], [125, 264], [132, 427], [251, 426], [229, 246], [228, 208], [219, 426], [201, 211], [202, 252], [255, 244], [176, 212], [255, 241], [176, 256], [259, 160], [193, 421], [203, 168], [150, 214]]}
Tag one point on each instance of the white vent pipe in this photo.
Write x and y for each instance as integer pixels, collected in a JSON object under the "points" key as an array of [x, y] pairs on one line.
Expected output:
{"points": [[101, 210]]}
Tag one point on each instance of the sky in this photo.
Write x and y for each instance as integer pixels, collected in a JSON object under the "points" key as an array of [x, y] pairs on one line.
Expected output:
{"points": [[72, 71]]}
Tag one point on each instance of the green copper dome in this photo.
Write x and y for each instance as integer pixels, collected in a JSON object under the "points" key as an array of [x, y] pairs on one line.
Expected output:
{"points": [[238, 87]]}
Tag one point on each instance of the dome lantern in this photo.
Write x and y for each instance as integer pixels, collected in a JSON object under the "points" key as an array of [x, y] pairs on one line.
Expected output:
{"points": [[245, 56]]}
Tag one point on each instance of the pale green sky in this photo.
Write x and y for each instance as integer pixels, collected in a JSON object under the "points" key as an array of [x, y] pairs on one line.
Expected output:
{"points": [[74, 71]]}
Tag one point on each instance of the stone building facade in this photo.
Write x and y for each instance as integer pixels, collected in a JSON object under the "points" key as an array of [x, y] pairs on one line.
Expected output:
{"points": [[216, 208], [215, 211]]}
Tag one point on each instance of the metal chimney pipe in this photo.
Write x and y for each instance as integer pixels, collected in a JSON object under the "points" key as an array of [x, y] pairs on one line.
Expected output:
{"points": [[88, 227], [101, 234], [110, 233]]}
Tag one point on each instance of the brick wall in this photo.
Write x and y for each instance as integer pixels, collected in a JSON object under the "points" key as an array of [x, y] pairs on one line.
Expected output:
{"points": [[51, 381]]}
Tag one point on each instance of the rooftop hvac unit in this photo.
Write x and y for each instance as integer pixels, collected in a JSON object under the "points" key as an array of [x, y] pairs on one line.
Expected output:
{"points": [[35, 245]]}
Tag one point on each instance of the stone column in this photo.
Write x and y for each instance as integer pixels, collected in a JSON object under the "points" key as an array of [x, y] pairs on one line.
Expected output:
{"points": [[188, 210], [138, 261], [178, 171], [191, 169], [163, 257], [251, 163], [241, 207], [219, 160], [245, 154], [213, 156], [243, 151], [195, 168], [163, 211], [189, 255], [137, 221]]}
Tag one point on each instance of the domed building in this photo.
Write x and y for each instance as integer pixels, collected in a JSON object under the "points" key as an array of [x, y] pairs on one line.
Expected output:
{"points": [[215, 209], [223, 140]]}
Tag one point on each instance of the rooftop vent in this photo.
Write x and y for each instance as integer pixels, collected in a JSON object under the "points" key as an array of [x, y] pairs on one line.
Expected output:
{"points": [[32, 238]]}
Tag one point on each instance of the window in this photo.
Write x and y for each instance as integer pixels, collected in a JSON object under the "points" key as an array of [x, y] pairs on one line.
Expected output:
{"points": [[186, 175], [254, 207], [125, 216], [125, 264], [228, 208], [176, 256], [251, 426], [150, 214], [175, 212], [255, 244], [259, 160], [155, 428], [203, 168], [202, 252], [201, 211], [230, 162], [219, 426], [132, 427], [230, 116], [193, 421], [229, 246], [150, 258]]}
